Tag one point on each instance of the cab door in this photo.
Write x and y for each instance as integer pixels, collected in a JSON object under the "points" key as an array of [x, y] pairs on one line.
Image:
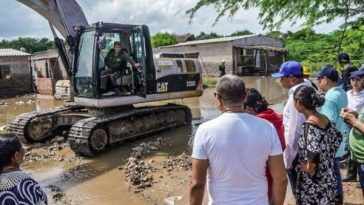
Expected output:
{"points": [[139, 53]]}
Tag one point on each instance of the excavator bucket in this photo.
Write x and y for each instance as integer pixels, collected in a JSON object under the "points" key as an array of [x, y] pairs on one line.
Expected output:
{"points": [[62, 14]]}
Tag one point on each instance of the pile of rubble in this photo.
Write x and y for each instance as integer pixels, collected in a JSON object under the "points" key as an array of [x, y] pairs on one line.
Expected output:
{"points": [[36, 152], [182, 162], [138, 173]]}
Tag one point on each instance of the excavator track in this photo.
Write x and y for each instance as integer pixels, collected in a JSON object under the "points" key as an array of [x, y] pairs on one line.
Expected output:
{"points": [[41, 128], [92, 136]]}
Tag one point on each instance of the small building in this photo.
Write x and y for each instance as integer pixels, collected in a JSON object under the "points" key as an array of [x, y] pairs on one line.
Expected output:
{"points": [[243, 55], [15, 74], [47, 70]]}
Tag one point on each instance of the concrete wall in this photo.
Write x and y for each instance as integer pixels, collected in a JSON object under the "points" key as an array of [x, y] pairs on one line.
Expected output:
{"points": [[212, 53], [20, 78]]}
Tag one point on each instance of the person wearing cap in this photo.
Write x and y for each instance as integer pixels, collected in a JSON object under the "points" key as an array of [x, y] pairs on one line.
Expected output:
{"points": [[335, 100], [291, 76], [356, 143], [306, 76], [355, 103], [222, 68], [346, 69], [256, 104]]}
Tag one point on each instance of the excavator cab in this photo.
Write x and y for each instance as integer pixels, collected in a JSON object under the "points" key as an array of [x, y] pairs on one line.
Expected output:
{"points": [[93, 46]]}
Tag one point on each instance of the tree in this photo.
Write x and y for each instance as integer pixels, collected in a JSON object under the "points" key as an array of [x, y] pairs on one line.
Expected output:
{"points": [[163, 39], [204, 36], [31, 45], [241, 33], [275, 34], [274, 12]]}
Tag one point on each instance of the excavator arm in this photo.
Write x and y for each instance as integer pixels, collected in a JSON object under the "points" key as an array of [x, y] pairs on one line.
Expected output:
{"points": [[62, 14]]}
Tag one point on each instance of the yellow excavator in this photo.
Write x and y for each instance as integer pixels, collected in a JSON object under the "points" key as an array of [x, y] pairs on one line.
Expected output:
{"points": [[94, 121]]}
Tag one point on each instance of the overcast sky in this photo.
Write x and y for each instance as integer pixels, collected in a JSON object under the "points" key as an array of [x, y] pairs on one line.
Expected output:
{"points": [[17, 20]]}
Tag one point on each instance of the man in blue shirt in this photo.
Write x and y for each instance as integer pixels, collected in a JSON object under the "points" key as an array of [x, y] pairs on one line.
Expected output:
{"points": [[335, 100]]}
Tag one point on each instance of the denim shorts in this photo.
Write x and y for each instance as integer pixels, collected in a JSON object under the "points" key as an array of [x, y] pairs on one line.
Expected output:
{"points": [[361, 174]]}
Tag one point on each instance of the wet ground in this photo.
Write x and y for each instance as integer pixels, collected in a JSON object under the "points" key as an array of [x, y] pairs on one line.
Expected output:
{"points": [[159, 165]]}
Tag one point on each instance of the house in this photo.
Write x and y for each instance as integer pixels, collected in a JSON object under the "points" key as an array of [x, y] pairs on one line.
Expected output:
{"points": [[48, 70], [15, 73], [254, 54]]}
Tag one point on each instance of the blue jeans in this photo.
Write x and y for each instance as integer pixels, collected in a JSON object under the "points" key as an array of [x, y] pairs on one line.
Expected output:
{"points": [[361, 174], [338, 175]]}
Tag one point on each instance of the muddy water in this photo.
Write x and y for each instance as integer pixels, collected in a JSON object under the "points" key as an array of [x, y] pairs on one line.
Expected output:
{"points": [[98, 180], [11, 107]]}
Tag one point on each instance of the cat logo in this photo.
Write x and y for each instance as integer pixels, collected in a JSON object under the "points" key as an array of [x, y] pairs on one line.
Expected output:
{"points": [[162, 87]]}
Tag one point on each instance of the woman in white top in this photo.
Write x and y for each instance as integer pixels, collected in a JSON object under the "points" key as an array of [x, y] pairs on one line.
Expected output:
{"points": [[356, 95], [356, 103]]}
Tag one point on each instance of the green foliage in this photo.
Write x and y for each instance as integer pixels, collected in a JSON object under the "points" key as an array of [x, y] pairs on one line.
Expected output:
{"points": [[203, 36], [163, 39], [274, 12], [317, 50], [241, 33], [275, 34], [32, 45]]}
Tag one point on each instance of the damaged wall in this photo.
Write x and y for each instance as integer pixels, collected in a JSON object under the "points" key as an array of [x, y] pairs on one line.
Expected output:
{"points": [[15, 77]]}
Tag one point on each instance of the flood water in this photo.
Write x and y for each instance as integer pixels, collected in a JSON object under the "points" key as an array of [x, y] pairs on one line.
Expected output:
{"points": [[98, 180]]}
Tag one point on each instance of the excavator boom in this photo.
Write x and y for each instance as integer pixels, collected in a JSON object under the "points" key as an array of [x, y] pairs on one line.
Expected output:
{"points": [[62, 14]]}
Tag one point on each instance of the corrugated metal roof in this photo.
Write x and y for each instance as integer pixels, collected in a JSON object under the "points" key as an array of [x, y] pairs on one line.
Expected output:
{"points": [[214, 40], [12, 52]]}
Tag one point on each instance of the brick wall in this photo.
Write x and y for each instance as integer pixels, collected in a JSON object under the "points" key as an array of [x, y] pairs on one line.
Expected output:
{"points": [[45, 86]]}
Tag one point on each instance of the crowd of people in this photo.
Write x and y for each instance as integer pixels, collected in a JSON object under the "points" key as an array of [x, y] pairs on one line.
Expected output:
{"points": [[249, 153]]}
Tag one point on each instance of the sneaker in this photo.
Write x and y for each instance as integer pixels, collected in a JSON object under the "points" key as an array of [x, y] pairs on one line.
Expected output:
{"points": [[108, 93]]}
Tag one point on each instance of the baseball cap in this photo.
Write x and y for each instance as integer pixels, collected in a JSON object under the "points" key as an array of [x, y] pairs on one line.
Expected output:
{"points": [[289, 68], [357, 74], [329, 72], [343, 57]]}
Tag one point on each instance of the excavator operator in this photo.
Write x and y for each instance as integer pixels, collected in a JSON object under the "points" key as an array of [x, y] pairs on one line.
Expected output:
{"points": [[115, 67]]}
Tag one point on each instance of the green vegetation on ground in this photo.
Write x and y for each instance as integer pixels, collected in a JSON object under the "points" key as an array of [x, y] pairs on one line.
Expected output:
{"points": [[209, 81]]}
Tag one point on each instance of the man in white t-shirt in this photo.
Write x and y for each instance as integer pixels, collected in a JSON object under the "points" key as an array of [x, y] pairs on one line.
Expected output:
{"points": [[232, 151]]}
